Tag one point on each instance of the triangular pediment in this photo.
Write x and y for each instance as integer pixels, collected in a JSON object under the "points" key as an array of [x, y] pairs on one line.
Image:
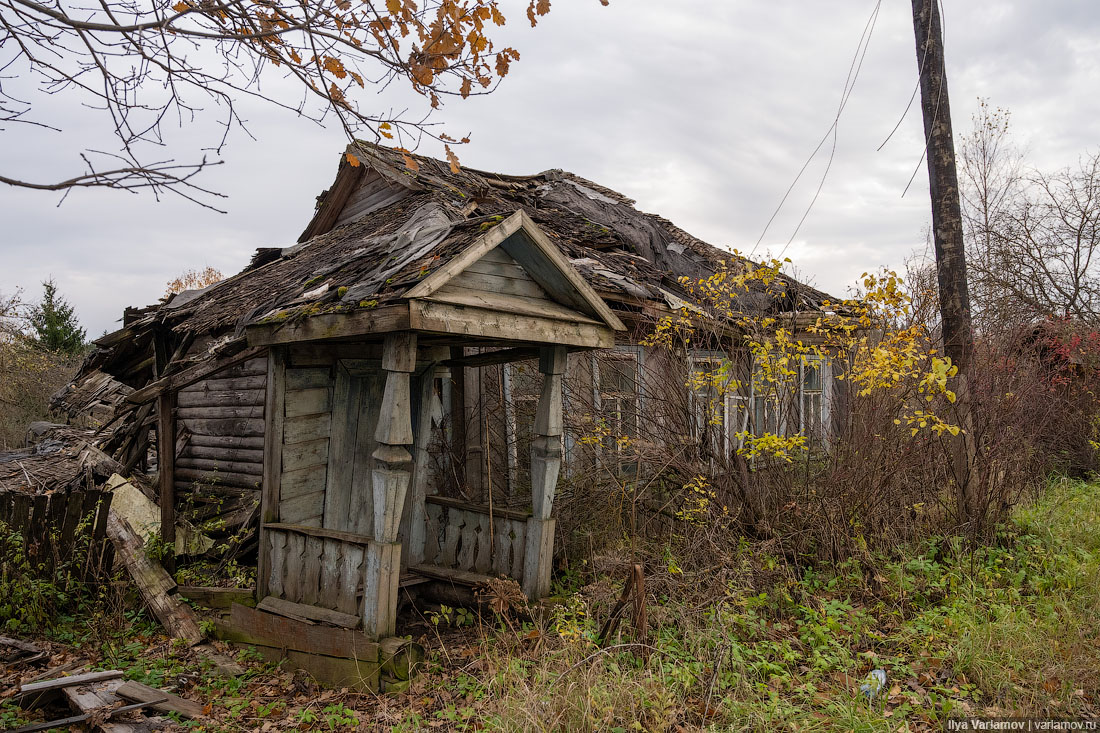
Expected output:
{"points": [[515, 268]]}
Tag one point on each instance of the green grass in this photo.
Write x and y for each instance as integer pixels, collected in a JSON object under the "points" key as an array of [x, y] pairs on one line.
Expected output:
{"points": [[1009, 628]]}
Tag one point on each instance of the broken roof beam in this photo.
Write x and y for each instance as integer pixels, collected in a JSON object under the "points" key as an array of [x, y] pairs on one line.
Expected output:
{"points": [[192, 374]]}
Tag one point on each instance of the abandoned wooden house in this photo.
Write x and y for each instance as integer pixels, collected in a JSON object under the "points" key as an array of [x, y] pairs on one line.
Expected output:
{"points": [[392, 386]]}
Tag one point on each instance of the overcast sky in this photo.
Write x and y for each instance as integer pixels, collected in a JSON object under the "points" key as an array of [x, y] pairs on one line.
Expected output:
{"points": [[704, 111]]}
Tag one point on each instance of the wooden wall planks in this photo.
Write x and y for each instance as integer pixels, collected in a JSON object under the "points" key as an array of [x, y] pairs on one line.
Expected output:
{"points": [[305, 446], [373, 193]]}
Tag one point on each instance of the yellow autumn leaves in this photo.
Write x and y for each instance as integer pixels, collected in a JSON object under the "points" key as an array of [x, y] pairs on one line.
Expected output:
{"points": [[881, 348]]}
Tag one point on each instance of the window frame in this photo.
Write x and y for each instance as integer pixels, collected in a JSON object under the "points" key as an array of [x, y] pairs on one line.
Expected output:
{"points": [[620, 353]]}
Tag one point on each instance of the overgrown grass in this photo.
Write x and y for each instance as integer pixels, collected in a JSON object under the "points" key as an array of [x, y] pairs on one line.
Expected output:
{"points": [[1008, 628]]}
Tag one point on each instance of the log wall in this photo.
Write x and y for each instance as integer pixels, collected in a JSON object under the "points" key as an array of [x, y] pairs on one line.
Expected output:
{"points": [[220, 424]]}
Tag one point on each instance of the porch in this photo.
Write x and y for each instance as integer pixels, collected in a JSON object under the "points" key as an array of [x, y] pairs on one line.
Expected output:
{"points": [[351, 516]]}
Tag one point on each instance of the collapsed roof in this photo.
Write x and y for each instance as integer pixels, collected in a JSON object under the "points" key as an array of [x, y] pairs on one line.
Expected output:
{"points": [[392, 219]]}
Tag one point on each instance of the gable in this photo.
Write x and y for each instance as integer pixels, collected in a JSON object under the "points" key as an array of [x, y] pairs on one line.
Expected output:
{"points": [[514, 268], [357, 191], [373, 192], [499, 282]]}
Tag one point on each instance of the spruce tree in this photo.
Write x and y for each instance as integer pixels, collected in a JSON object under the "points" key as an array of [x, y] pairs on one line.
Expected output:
{"points": [[55, 324]]}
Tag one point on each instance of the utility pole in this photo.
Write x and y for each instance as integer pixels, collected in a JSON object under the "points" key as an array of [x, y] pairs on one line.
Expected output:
{"points": [[943, 183]]}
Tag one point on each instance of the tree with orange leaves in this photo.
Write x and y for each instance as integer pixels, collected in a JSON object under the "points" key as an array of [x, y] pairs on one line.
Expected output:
{"points": [[193, 280], [146, 61]]}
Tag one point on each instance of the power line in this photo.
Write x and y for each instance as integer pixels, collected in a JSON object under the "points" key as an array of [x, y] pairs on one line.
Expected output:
{"points": [[849, 85], [939, 96]]}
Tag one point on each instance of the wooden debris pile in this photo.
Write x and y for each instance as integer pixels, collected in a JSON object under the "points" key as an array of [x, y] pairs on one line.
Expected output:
{"points": [[161, 594], [91, 400], [57, 458], [100, 700], [61, 460]]}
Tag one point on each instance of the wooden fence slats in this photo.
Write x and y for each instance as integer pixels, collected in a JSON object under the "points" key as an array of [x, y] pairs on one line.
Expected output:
{"points": [[73, 510], [519, 547], [468, 538], [311, 570], [104, 550], [41, 519], [277, 566], [21, 512], [295, 546], [432, 533], [314, 569], [329, 583], [351, 579], [63, 533], [451, 533], [502, 548]]}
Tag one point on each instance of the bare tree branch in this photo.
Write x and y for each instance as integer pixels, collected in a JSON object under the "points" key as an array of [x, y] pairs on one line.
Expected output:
{"points": [[1033, 237], [143, 64]]}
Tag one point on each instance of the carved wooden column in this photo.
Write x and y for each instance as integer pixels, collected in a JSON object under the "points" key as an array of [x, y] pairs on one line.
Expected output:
{"points": [[390, 482], [414, 519], [545, 466]]}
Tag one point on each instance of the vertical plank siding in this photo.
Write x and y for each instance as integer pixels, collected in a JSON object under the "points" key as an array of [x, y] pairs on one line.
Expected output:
{"points": [[373, 193], [304, 568], [307, 427]]}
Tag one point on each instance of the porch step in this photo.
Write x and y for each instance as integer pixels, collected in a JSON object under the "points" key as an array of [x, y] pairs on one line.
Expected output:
{"points": [[308, 614], [458, 577], [410, 579]]}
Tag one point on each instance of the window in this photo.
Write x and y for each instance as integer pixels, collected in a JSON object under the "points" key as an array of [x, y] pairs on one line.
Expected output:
{"points": [[813, 400], [797, 407], [720, 404], [616, 393], [769, 404], [618, 386]]}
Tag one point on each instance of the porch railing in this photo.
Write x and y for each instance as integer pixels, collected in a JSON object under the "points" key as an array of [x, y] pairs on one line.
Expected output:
{"points": [[470, 538]]}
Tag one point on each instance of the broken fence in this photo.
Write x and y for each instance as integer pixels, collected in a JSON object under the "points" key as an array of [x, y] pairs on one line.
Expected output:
{"points": [[62, 535]]}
